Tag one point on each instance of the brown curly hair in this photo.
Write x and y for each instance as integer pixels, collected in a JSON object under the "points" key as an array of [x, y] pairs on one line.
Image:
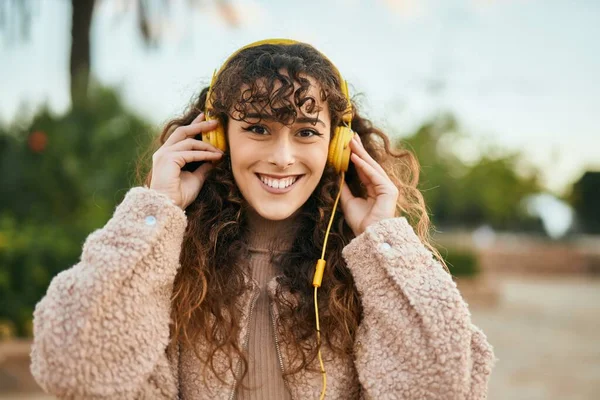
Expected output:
{"points": [[214, 248]]}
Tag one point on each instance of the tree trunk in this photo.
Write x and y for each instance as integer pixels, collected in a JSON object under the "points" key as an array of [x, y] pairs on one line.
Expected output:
{"points": [[80, 48]]}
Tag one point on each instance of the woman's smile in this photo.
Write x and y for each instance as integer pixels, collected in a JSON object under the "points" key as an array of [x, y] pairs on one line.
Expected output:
{"points": [[278, 184]]}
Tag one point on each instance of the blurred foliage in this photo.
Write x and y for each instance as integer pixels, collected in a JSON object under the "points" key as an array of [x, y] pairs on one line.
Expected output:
{"points": [[585, 199], [462, 263], [60, 178], [7, 329], [489, 188]]}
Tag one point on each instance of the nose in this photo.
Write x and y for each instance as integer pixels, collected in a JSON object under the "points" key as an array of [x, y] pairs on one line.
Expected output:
{"points": [[282, 153]]}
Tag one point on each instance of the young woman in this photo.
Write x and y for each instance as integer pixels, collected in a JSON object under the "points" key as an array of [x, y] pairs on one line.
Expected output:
{"points": [[201, 285]]}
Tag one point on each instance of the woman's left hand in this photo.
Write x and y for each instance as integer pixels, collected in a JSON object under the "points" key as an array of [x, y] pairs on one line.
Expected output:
{"points": [[382, 194]]}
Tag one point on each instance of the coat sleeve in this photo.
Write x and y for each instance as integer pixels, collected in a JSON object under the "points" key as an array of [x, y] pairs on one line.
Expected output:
{"points": [[102, 329], [416, 339]]}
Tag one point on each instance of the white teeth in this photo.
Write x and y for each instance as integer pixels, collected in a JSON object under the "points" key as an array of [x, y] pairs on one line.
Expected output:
{"points": [[278, 183]]}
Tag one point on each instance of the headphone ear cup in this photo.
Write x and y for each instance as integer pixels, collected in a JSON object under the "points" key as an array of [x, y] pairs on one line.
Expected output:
{"points": [[332, 147], [216, 137], [220, 138], [339, 149]]}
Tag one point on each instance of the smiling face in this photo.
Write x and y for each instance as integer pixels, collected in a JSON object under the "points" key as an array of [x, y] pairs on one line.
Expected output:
{"points": [[277, 166]]}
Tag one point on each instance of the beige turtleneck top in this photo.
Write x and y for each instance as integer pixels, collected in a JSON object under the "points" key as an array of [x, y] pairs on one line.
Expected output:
{"points": [[264, 375]]}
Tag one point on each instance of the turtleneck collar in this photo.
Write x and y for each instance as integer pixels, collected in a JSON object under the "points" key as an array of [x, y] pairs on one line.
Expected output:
{"points": [[265, 235]]}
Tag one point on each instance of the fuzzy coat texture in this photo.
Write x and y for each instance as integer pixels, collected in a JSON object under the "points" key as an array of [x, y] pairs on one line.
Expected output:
{"points": [[102, 329]]}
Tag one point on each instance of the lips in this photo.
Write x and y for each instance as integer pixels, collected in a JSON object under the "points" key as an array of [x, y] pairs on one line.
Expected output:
{"points": [[280, 183], [277, 184]]}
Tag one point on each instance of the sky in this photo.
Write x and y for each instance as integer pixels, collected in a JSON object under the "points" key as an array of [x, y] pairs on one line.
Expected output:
{"points": [[520, 74]]}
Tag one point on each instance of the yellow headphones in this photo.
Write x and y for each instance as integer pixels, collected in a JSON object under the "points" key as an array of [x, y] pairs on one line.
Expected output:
{"points": [[339, 150], [338, 156]]}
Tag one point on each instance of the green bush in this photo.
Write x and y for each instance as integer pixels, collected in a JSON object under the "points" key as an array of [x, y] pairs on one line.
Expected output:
{"points": [[60, 178], [461, 263]]}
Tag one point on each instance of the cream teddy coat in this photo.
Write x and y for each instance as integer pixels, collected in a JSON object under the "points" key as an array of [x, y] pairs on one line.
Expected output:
{"points": [[102, 329]]}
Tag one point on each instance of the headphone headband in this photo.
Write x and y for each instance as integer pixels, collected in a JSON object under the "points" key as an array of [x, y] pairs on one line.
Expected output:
{"points": [[346, 118]]}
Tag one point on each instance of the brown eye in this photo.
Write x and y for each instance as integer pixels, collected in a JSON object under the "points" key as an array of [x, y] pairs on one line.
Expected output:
{"points": [[257, 129], [306, 133]]}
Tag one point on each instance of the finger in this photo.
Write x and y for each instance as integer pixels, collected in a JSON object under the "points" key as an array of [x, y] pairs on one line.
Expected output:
{"points": [[358, 148], [381, 184], [193, 129], [345, 197], [184, 157], [199, 118], [194, 144], [365, 181], [202, 170], [346, 194]]}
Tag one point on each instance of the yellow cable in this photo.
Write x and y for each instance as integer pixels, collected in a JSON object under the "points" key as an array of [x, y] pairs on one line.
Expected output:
{"points": [[317, 283], [319, 351], [332, 215]]}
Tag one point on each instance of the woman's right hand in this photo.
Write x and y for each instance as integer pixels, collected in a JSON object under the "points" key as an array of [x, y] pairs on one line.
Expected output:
{"points": [[179, 149]]}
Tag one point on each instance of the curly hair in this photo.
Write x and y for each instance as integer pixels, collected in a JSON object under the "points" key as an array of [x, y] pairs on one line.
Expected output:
{"points": [[214, 247]]}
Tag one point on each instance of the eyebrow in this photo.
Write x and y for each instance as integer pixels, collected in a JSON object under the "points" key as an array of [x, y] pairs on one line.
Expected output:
{"points": [[298, 120]]}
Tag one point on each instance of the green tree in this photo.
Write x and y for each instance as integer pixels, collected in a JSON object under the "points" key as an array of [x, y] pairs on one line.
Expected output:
{"points": [[585, 199], [489, 190], [60, 178]]}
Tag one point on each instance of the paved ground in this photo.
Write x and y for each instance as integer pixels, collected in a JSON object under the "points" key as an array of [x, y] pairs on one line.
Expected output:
{"points": [[546, 334]]}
